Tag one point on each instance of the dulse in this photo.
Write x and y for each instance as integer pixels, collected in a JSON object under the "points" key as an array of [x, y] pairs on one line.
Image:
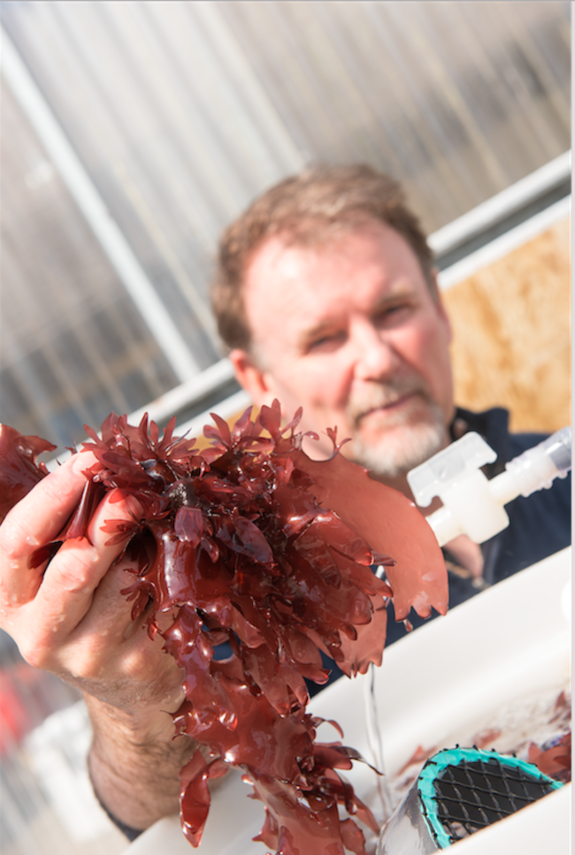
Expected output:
{"points": [[254, 544]]}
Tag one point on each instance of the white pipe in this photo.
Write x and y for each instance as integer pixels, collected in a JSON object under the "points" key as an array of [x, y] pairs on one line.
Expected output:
{"points": [[504, 244], [226, 409], [89, 202], [502, 204], [187, 393]]}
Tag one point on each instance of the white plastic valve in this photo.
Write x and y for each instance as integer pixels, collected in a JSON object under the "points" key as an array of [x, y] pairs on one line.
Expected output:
{"points": [[472, 505]]}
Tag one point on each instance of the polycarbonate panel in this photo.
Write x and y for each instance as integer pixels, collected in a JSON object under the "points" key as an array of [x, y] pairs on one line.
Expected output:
{"points": [[72, 346]]}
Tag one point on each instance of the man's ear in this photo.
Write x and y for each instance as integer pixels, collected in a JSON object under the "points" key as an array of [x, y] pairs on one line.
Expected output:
{"points": [[252, 378]]}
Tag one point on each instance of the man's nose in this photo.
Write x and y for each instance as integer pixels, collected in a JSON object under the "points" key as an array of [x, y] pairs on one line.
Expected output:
{"points": [[375, 357]]}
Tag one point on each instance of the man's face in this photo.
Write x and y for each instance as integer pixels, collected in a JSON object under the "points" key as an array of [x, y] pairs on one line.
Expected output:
{"points": [[350, 331]]}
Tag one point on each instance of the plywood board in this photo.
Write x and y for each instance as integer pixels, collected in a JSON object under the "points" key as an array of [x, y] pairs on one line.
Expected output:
{"points": [[512, 334]]}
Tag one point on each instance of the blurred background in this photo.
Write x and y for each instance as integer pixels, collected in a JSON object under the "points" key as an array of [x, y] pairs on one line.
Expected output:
{"points": [[132, 133]]}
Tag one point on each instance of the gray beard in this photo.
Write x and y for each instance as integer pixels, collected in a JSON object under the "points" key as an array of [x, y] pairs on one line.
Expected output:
{"points": [[390, 458]]}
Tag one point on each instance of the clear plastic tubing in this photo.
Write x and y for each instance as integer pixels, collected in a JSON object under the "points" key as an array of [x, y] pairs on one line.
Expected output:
{"points": [[535, 469]]}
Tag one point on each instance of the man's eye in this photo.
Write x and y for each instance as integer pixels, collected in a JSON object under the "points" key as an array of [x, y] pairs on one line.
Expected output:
{"points": [[329, 341], [393, 313]]}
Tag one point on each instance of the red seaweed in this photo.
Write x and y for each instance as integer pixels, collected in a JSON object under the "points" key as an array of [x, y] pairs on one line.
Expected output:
{"points": [[257, 546], [19, 471], [554, 760]]}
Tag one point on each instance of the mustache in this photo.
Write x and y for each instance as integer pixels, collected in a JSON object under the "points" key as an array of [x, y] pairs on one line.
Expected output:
{"points": [[384, 394]]}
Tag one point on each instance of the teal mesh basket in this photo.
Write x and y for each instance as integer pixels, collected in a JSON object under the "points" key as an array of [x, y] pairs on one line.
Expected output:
{"points": [[458, 792]]}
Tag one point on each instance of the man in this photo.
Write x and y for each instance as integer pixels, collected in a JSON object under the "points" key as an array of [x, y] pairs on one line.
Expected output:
{"points": [[327, 297]]}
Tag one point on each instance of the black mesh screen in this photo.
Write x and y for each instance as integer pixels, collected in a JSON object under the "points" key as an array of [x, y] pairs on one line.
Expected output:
{"points": [[475, 794]]}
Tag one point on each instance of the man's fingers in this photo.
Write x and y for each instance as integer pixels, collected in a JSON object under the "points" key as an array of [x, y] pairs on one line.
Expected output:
{"points": [[65, 596], [41, 514], [70, 616], [114, 508], [35, 521]]}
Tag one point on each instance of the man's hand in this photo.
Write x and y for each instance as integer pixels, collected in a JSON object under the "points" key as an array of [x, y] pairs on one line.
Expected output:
{"points": [[69, 617]]}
